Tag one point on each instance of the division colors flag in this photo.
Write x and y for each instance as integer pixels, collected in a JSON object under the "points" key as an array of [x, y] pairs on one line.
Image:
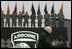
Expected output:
{"points": [[52, 10], [61, 10], [15, 10], [8, 8], [32, 9], [45, 10], [38, 12], [23, 10]]}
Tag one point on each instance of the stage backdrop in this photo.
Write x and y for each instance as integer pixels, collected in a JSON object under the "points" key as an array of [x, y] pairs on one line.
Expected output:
{"points": [[57, 32]]}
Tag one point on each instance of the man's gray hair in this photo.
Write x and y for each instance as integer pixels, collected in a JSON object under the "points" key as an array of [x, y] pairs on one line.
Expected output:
{"points": [[47, 27]]}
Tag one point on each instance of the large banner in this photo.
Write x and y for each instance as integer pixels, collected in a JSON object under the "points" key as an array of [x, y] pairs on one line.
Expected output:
{"points": [[24, 39], [57, 32]]}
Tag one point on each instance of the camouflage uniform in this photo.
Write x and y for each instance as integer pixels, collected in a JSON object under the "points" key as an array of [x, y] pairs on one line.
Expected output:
{"points": [[60, 20], [33, 17], [14, 18], [53, 19], [8, 43], [7, 20], [2, 43], [20, 19], [26, 17], [39, 20], [47, 18], [2, 18]]}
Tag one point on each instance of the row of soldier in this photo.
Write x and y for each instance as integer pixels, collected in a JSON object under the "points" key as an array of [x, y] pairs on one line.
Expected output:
{"points": [[53, 17]]}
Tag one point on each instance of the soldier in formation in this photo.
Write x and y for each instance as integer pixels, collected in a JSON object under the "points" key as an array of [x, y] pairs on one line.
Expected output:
{"points": [[14, 18], [33, 17], [2, 43], [53, 19], [47, 18], [2, 19], [60, 19], [7, 19], [8, 43], [26, 17], [20, 16], [39, 17]]}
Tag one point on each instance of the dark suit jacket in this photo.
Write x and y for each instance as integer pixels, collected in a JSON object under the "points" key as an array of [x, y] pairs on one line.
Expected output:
{"points": [[44, 40]]}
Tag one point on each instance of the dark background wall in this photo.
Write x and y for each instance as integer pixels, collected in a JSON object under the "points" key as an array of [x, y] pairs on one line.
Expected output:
{"points": [[68, 26], [6, 32]]}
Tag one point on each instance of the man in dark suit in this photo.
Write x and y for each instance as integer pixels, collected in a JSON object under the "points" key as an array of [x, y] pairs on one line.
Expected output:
{"points": [[45, 38]]}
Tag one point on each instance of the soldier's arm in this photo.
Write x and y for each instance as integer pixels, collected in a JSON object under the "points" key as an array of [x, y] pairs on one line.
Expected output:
{"points": [[28, 16], [58, 15], [63, 16], [4, 16], [49, 15], [35, 16], [41, 16], [44, 16], [23, 16]]}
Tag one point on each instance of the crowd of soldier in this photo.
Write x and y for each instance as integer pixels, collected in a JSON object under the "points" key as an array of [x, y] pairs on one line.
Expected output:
{"points": [[53, 17]]}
